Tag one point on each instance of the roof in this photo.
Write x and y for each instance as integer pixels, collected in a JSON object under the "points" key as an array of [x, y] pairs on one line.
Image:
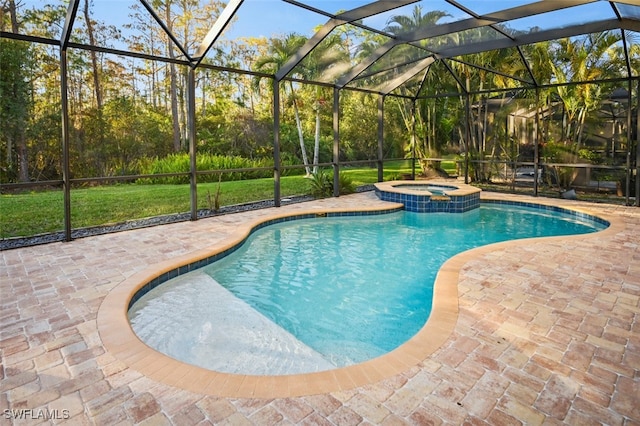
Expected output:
{"points": [[409, 48]]}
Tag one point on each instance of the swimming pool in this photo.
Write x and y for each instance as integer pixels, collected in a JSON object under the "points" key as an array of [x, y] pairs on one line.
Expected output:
{"points": [[327, 265]]}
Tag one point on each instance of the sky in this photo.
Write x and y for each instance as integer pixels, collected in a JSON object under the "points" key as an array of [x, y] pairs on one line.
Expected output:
{"points": [[255, 17], [267, 18]]}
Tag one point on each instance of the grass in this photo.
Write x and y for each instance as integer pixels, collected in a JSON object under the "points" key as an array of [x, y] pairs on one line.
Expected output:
{"points": [[41, 212]]}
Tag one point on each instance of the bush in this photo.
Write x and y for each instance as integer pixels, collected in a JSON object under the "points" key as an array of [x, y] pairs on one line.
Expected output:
{"points": [[180, 163], [321, 184]]}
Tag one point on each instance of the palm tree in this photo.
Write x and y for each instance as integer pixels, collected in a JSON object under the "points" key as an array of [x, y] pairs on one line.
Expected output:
{"points": [[582, 60], [330, 53], [399, 24], [424, 115], [280, 50]]}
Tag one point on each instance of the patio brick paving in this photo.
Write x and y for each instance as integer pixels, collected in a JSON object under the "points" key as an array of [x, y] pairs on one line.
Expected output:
{"points": [[548, 332]]}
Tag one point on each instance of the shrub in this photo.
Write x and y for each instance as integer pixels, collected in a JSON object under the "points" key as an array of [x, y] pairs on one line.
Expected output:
{"points": [[321, 184], [180, 163]]}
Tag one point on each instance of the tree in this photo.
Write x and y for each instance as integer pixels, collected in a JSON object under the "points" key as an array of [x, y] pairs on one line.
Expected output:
{"points": [[173, 79], [14, 97], [15, 106], [582, 60], [97, 86], [424, 114], [330, 53], [280, 50]]}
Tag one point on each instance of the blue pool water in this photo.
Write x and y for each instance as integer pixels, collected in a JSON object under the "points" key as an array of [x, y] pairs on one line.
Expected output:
{"points": [[349, 288], [434, 189]]}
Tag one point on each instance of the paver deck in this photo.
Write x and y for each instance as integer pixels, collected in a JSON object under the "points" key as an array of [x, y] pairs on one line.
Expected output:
{"points": [[547, 332]]}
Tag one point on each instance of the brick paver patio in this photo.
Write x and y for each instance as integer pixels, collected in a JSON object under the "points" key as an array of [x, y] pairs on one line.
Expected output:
{"points": [[548, 332]]}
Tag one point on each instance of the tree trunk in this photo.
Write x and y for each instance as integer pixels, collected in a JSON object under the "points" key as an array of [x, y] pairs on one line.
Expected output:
{"points": [[23, 160], [303, 149], [182, 103], [316, 145], [94, 58], [14, 16], [173, 82], [97, 87], [579, 128]]}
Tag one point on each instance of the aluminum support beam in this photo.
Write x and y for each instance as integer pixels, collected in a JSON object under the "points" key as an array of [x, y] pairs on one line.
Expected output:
{"points": [[413, 139], [215, 31], [411, 72], [276, 143], [625, 46], [366, 63], [164, 27], [380, 138], [531, 38], [475, 15], [525, 61], [453, 27], [536, 148], [191, 130], [422, 84], [72, 11], [523, 11], [66, 170], [638, 144], [311, 44], [343, 18], [493, 71], [373, 8], [629, 142], [462, 86], [336, 142], [467, 153]]}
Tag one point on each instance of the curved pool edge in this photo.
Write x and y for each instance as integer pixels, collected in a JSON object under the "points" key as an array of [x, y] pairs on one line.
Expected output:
{"points": [[122, 343]]}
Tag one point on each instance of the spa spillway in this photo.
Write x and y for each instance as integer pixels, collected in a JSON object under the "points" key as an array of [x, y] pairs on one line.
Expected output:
{"points": [[430, 196]]}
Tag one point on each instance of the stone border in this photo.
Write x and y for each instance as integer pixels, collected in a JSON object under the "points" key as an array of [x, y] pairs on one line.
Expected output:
{"points": [[121, 342], [461, 189]]}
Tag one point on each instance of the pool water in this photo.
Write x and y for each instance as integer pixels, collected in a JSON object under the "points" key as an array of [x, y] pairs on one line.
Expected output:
{"points": [[434, 189], [350, 289]]}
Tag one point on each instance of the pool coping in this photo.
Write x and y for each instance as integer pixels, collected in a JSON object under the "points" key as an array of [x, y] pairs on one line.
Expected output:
{"points": [[403, 187], [121, 342]]}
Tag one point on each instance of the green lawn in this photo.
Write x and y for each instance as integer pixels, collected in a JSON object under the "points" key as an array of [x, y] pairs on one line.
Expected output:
{"points": [[39, 212]]}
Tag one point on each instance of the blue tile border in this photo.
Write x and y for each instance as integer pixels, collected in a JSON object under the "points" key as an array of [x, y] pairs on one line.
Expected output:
{"points": [[432, 204], [555, 209]]}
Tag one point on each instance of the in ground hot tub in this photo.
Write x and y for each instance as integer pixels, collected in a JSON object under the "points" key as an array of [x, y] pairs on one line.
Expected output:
{"points": [[430, 196]]}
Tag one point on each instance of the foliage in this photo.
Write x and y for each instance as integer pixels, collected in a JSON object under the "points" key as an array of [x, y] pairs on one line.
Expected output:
{"points": [[214, 200], [589, 155], [128, 114], [321, 184], [15, 107], [181, 163], [345, 184]]}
